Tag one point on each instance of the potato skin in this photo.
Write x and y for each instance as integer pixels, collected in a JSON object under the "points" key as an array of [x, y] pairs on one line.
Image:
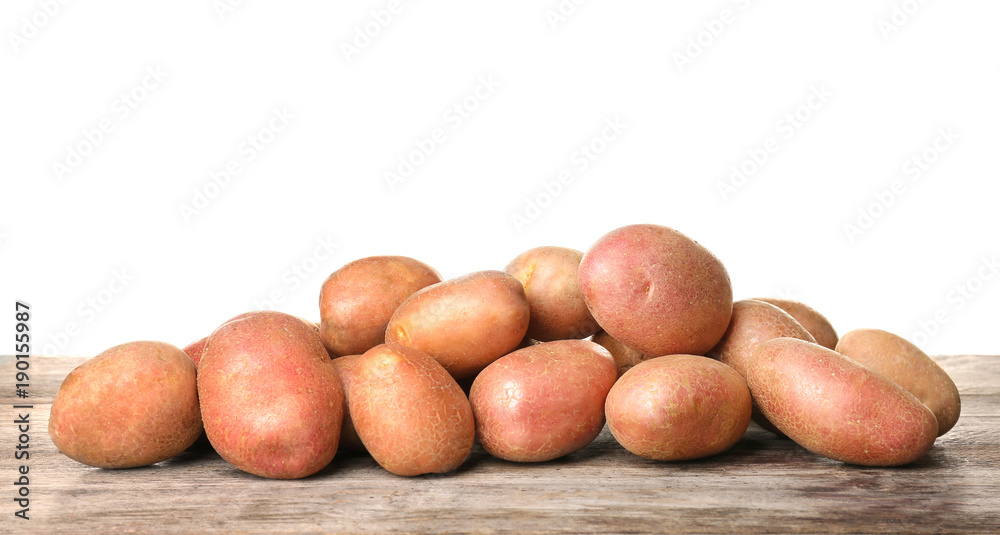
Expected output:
{"points": [[549, 277], [133, 405], [271, 399], [909, 367], [656, 290], [463, 323], [679, 407], [346, 368], [814, 322], [625, 357], [357, 300], [544, 401], [410, 414], [834, 407]]}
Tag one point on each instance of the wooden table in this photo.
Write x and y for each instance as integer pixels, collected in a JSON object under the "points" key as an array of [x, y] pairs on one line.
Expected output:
{"points": [[763, 485]]}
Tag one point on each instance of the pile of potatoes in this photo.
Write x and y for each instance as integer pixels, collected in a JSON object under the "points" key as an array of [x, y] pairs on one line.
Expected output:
{"points": [[641, 333]]}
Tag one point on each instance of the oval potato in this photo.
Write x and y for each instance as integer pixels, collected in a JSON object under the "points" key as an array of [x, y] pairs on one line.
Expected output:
{"points": [[807, 316], [909, 367], [544, 401], [679, 407], [410, 413], [656, 290], [357, 300], [463, 323], [271, 400], [549, 277], [837, 408], [133, 405]]}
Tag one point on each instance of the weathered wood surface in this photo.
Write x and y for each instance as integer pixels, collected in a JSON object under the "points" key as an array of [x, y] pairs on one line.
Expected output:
{"points": [[763, 485]]}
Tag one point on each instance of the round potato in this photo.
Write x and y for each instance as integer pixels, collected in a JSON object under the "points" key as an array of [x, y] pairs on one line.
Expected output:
{"points": [[357, 300], [549, 277], [195, 349], [909, 367], [544, 401], [464, 323], [678, 407], [837, 408], [271, 400], [410, 414], [135, 404], [814, 322], [625, 357], [755, 322], [346, 369], [656, 290]]}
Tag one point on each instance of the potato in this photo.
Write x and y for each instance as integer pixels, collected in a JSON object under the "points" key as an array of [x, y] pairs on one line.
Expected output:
{"points": [[357, 300], [753, 323], [195, 349], [271, 399], [549, 277], [135, 404], [544, 401], [410, 414], [346, 370], [656, 290], [678, 407], [625, 357], [837, 408], [464, 323], [814, 322], [909, 367]]}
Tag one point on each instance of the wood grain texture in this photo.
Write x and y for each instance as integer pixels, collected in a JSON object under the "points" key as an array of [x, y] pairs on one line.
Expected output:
{"points": [[763, 485]]}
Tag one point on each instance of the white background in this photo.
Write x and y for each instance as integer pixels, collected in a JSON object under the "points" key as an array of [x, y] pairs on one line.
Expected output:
{"points": [[893, 81]]}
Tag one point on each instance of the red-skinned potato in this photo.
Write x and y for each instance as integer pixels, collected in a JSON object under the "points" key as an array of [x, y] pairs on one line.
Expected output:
{"points": [[133, 405], [656, 290], [625, 357], [678, 407], [410, 413], [357, 300], [807, 316], [837, 408], [270, 398], [909, 367], [195, 349], [549, 277], [544, 401], [755, 322], [463, 323], [346, 367]]}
